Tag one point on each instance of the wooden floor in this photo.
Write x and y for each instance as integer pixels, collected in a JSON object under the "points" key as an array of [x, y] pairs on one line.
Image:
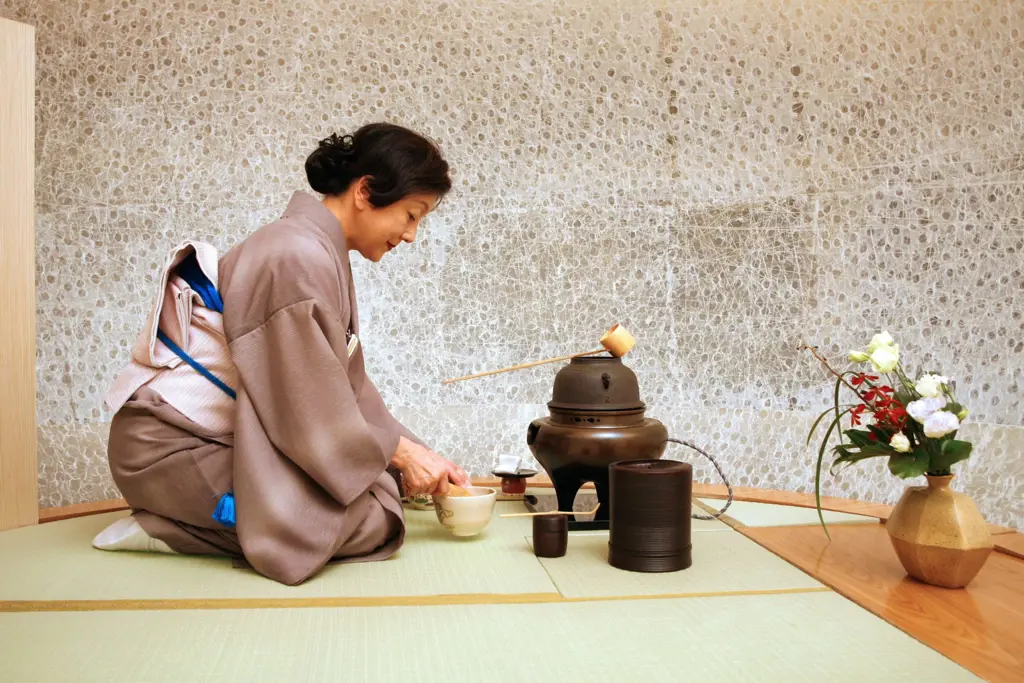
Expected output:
{"points": [[980, 627]]}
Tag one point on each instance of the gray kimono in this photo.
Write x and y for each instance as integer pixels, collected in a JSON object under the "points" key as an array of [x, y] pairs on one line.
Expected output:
{"points": [[308, 459]]}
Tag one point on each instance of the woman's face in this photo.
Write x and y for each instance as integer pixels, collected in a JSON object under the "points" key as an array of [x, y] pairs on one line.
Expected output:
{"points": [[378, 230]]}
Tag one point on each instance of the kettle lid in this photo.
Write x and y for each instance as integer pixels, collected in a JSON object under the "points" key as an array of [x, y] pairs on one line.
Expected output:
{"points": [[596, 383]]}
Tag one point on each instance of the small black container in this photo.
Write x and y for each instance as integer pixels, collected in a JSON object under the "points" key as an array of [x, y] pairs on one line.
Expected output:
{"points": [[550, 535], [649, 519]]}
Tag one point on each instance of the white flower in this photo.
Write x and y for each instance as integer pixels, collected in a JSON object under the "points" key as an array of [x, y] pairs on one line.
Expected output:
{"points": [[940, 423], [930, 386], [923, 408], [885, 358], [859, 356], [880, 340], [899, 442]]}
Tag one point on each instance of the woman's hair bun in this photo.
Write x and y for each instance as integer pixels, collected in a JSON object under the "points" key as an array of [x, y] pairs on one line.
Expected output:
{"points": [[396, 161], [326, 166]]}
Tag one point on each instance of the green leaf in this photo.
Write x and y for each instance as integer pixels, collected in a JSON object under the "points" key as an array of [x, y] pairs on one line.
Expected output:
{"points": [[815, 425], [844, 449], [839, 384], [859, 438], [908, 465], [817, 471], [882, 435], [835, 408], [954, 408], [848, 455], [872, 448], [847, 459], [951, 452]]}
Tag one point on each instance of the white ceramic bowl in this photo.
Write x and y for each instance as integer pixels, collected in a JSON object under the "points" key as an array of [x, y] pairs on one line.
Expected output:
{"points": [[466, 515]]}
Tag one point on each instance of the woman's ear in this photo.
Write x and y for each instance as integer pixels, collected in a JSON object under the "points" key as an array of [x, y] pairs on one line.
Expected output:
{"points": [[361, 195]]}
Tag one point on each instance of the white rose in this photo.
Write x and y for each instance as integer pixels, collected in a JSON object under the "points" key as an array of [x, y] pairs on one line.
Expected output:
{"points": [[885, 358], [859, 356], [940, 423], [923, 408], [880, 340], [930, 386], [900, 442]]}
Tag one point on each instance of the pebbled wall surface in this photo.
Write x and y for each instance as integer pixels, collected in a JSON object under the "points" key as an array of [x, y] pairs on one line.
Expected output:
{"points": [[727, 179]]}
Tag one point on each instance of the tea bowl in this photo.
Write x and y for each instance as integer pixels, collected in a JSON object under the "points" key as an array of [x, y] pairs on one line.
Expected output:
{"points": [[466, 515]]}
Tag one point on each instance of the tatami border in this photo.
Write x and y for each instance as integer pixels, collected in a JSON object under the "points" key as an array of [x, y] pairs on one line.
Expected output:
{"points": [[22, 606]]}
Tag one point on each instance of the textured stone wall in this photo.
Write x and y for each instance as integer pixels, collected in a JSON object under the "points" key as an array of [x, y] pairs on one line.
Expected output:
{"points": [[726, 179]]}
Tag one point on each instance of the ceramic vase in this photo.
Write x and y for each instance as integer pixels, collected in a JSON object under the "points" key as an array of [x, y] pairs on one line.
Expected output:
{"points": [[939, 534]]}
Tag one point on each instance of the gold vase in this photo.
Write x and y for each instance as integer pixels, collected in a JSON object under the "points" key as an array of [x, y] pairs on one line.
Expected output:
{"points": [[939, 534]]}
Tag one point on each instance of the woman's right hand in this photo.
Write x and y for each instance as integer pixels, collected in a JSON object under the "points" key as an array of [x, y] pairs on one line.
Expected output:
{"points": [[423, 470]]}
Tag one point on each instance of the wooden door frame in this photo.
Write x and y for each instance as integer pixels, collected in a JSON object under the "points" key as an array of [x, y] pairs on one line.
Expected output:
{"points": [[19, 489]]}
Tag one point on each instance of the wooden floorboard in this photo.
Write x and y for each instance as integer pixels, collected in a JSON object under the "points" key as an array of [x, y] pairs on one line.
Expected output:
{"points": [[56, 514], [1011, 544], [980, 627]]}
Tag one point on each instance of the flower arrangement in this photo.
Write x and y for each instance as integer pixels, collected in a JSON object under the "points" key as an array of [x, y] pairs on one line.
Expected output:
{"points": [[913, 423]]}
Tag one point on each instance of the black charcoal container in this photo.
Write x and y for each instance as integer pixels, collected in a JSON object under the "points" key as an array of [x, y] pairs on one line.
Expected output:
{"points": [[649, 516]]}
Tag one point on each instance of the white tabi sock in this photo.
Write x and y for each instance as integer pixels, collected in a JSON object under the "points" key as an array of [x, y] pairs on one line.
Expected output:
{"points": [[128, 534]]}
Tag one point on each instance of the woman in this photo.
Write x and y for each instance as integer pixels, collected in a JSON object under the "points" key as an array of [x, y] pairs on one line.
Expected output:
{"points": [[247, 391]]}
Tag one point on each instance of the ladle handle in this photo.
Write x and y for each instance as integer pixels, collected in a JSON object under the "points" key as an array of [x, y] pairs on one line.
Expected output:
{"points": [[526, 365]]}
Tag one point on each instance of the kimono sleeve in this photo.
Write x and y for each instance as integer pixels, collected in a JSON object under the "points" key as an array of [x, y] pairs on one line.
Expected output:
{"points": [[300, 397], [388, 428]]}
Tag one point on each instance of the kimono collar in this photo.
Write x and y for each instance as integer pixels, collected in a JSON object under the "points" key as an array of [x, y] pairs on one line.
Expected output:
{"points": [[308, 206]]}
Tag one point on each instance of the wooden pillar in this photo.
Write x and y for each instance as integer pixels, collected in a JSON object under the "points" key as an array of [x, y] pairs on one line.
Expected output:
{"points": [[19, 498]]}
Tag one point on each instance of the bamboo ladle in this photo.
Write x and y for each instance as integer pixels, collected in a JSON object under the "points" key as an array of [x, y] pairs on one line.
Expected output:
{"points": [[553, 512], [616, 341]]}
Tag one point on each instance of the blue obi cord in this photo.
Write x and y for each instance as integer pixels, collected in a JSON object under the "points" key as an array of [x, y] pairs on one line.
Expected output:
{"points": [[190, 271]]}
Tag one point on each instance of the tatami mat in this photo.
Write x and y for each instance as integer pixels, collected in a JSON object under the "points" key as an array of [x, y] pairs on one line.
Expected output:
{"points": [[780, 638], [56, 562], [722, 563], [764, 514]]}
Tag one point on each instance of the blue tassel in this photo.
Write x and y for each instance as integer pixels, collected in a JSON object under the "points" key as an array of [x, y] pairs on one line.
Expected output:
{"points": [[225, 512]]}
